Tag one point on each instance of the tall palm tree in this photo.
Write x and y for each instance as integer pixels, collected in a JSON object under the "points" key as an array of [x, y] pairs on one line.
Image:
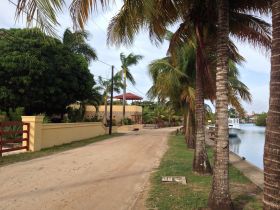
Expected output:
{"points": [[76, 43], [199, 20], [105, 87], [128, 61], [175, 81], [271, 198], [219, 197]]}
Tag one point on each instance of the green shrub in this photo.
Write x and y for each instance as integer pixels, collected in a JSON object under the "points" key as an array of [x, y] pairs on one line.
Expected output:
{"points": [[126, 121], [14, 114], [46, 119], [75, 115], [261, 119]]}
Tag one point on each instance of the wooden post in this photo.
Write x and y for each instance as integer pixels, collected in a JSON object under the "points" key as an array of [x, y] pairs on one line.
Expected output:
{"points": [[111, 102]]}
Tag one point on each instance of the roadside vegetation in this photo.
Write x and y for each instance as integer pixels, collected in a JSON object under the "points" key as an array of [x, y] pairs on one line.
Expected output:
{"points": [[261, 119], [178, 162], [44, 75]]}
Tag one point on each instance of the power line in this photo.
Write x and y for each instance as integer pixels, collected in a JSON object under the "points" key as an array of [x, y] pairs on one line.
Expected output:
{"points": [[139, 90], [104, 62], [135, 92]]}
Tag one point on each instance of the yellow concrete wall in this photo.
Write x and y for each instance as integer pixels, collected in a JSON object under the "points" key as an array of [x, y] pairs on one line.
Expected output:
{"points": [[51, 134], [119, 108], [117, 111], [61, 133]]}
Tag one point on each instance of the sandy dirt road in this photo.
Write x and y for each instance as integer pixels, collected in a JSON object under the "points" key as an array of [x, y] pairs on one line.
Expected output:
{"points": [[108, 175]]}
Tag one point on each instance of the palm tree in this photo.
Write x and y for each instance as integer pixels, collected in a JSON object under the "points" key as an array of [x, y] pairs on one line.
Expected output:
{"points": [[128, 61], [105, 87], [219, 197], [76, 43], [271, 198], [175, 80], [199, 27]]}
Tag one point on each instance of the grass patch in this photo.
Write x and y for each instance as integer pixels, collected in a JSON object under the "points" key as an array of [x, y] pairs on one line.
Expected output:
{"points": [[178, 162], [5, 160]]}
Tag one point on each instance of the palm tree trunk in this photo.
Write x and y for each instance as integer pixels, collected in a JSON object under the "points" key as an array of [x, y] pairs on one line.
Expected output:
{"points": [[186, 129], [185, 122], [189, 134], [219, 197], [271, 198], [124, 94], [201, 163]]}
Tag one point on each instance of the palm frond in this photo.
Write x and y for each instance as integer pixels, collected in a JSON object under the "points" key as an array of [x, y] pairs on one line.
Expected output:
{"points": [[126, 24], [257, 6], [128, 61], [234, 101], [237, 88], [80, 10], [130, 77], [87, 51], [76, 42], [246, 27], [42, 12]]}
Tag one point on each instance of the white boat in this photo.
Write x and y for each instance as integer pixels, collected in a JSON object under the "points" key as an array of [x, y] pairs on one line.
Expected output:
{"points": [[234, 127]]}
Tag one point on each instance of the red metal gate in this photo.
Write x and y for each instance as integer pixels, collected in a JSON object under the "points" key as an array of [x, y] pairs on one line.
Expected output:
{"points": [[12, 136]]}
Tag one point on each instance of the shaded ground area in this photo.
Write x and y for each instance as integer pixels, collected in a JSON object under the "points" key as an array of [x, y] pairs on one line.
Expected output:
{"points": [[106, 175], [178, 162]]}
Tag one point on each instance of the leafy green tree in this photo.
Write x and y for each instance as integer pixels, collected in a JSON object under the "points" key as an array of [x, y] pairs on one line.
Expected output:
{"points": [[40, 74], [261, 119], [232, 113]]}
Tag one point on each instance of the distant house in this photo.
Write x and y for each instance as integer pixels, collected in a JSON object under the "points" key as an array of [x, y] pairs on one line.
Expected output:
{"points": [[251, 118], [132, 112]]}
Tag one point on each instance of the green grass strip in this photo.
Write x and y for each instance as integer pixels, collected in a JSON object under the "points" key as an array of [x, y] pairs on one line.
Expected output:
{"points": [[178, 162]]}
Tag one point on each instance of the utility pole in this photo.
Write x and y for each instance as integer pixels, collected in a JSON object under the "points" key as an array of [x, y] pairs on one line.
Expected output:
{"points": [[111, 102]]}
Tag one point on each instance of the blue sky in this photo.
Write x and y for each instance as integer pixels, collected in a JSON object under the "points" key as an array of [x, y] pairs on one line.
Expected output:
{"points": [[254, 73]]}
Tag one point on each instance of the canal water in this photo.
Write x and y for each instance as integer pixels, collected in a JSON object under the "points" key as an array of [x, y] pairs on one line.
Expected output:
{"points": [[249, 143]]}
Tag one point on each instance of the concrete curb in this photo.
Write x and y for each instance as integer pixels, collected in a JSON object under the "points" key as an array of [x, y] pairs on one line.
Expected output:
{"points": [[252, 172]]}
